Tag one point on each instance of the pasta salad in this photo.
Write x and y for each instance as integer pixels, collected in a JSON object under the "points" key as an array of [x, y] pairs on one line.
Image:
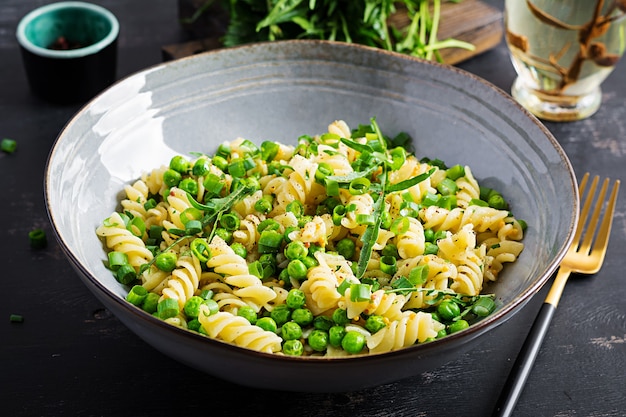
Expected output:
{"points": [[343, 244]]}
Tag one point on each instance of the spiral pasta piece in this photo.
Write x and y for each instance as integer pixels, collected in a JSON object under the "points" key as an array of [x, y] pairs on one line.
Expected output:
{"points": [[184, 280], [410, 328], [411, 243], [237, 330], [118, 238]]}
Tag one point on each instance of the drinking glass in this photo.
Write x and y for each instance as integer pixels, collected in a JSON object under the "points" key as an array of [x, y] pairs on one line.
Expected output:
{"points": [[562, 51]]}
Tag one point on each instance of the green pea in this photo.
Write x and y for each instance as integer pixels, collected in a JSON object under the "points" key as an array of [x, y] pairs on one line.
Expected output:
{"points": [[194, 325], [281, 314], [268, 324], [318, 340], [322, 323], [247, 313], [374, 323], [179, 164], [171, 178], [390, 250], [220, 162], [295, 298], [297, 269], [346, 248], [448, 310], [458, 326], [296, 250], [335, 335], [166, 261], [310, 262], [189, 185], [353, 342], [291, 331], [192, 306], [263, 206], [293, 347], [200, 167], [430, 248], [340, 316], [302, 316], [429, 235], [239, 249], [224, 234]]}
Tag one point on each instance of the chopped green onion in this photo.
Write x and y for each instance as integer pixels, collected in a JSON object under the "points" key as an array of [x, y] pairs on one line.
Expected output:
{"points": [[223, 151], [167, 308], [323, 171], [360, 292], [16, 318], [137, 295], [270, 241], [230, 221], [455, 172], [430, 199], [359, 186], [37, 238], [388, 265], [150, 303], [150, 204], [237, 168], [398, 157], [269, 150], [213, 184], [200, 248], [339, 213], [478, 202], [295, 207], [117, 259], [419, 275], [447, 187], [483, 307], [366, 219], [332, 187], [136, 226], [400, 226], [125, 274], [8, 145], [448, 202]]}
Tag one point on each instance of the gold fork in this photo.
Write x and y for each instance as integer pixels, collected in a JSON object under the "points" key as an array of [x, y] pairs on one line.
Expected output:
{"points": [[584, 256]]}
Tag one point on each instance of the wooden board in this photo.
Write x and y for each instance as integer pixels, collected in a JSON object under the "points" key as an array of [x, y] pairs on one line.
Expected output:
{"points": [[470, 20]]}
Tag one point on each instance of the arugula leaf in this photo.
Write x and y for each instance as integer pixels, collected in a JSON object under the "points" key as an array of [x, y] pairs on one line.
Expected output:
{"points": [[403, 185]]}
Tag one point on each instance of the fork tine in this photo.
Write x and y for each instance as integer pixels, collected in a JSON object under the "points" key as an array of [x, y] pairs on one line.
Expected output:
{"points": [[584, 211], [590, 231], [602, 240]]}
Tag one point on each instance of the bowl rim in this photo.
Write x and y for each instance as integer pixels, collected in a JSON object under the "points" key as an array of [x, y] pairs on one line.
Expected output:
{"points": [[503, 314]]}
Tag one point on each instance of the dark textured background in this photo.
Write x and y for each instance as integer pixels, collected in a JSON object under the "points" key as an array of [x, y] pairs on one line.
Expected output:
{"points": [[70, 357]]}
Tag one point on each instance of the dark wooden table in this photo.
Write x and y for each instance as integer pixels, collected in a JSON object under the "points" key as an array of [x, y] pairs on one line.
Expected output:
{"points": [[71, 357]]}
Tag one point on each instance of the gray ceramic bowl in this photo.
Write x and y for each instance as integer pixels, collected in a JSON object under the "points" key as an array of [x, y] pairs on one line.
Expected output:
{"points": [[279, 91]]}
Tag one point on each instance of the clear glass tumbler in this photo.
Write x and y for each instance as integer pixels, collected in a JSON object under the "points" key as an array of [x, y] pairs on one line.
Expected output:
{"points": [[562, 51]]}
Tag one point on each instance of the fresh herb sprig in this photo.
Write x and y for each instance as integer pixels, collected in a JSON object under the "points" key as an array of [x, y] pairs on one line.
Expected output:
{"points": [[379, 159], [357, 21]]}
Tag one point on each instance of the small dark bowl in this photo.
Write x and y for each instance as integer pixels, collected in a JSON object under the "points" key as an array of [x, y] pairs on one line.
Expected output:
{"points": [[280, 90], [69, 50]]}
